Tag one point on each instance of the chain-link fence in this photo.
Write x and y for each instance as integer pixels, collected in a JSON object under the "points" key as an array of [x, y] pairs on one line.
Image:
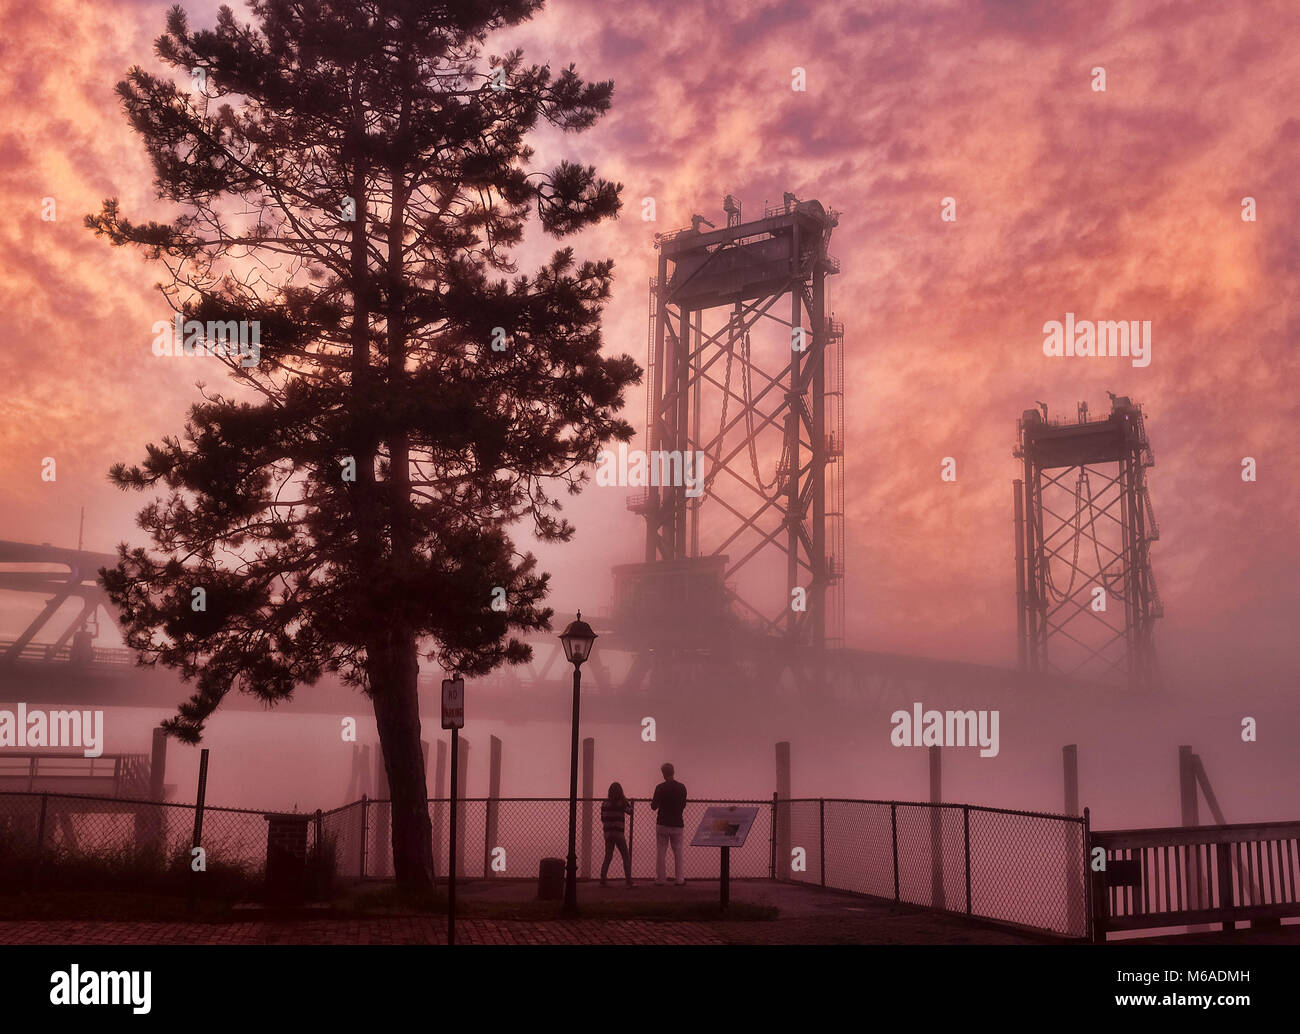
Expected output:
{"points": [[89, 824], [68, 839], [1016, 867], [506, 838]]}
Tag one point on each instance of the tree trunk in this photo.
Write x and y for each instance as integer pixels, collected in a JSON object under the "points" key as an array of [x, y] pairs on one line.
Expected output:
{"points": [[393, 666], [397, 709]]}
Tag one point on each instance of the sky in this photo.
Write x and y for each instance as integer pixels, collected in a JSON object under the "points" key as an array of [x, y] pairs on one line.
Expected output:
{"points": [[1119, 204]]}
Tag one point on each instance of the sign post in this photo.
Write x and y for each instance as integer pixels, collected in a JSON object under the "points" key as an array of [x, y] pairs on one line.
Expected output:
{"points": [[726, 877], [725, 828], [453, 718]]}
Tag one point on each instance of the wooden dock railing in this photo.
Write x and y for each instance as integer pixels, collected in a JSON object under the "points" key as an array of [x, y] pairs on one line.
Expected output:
{"points": [[1186, 875]]}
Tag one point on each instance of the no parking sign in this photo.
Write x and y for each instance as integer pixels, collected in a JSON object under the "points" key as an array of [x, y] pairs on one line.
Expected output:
{"points": [[453, 703]]}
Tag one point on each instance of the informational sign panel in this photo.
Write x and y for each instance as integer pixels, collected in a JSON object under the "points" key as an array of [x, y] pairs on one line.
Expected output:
{"points": [[453, 703], [725, 827]]}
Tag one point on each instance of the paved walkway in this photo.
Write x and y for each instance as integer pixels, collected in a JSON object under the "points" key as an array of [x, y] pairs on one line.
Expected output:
{"points": [[389, 930], [808, 915]]}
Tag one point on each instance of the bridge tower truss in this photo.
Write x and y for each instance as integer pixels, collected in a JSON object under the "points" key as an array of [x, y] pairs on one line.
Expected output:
{"points": [[1086, 593], [746, 369]]}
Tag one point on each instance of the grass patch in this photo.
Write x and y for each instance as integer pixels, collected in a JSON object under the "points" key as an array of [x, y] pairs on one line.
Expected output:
{"points": [[130, 882], [130, 869]]}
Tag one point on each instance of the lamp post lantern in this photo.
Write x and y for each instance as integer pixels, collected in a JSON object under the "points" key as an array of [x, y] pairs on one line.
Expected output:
{"points": [[578, 639]]}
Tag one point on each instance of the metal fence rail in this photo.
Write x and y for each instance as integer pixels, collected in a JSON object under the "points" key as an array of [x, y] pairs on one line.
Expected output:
{"points": [[518, 832], [1015, 867]]}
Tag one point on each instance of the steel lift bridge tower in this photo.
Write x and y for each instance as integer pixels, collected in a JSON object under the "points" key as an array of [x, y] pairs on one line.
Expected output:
{"points": [[1086, 593], [745, 367]]}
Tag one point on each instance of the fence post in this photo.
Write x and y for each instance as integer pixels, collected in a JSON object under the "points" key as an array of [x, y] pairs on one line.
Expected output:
{"points": [[492, 808], [365, 834], [893, 830], [821, 822], [201, 798], [631, 832], [965, 815], [196, 841], [1094, 932], [771, 865]]}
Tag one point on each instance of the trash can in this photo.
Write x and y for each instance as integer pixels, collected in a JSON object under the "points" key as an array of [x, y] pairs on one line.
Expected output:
{"points": [[286, 858], [550, 879]]}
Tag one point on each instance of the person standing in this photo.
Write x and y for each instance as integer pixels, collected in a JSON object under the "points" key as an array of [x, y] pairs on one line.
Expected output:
{"points": [[669, 802], [613, 810]]}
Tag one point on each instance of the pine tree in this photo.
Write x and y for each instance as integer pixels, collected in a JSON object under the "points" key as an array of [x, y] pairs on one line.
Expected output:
{"points": [[351, 179]]}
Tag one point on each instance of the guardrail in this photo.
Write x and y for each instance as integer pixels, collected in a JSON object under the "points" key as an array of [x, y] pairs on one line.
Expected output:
{"points": [[1199, 874], [1020, 869], [46, 653]]}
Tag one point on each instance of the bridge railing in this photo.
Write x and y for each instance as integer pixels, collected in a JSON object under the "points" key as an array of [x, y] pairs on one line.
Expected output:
{"points": [[1188, 875], [46, 653]]}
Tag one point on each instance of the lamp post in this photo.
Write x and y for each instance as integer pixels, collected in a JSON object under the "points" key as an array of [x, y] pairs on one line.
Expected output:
{"points": [[578, 640]]}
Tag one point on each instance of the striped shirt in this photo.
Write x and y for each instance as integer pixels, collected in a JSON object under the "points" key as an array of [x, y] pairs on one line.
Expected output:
{"points": [[611, 816]]}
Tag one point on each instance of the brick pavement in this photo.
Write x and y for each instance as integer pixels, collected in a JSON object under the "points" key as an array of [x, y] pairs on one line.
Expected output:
{"points": [[371, 930], [808, 915]]}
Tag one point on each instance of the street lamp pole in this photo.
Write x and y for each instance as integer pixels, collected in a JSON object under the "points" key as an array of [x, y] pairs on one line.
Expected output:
{"points": [[578, 640], [571, 869]]}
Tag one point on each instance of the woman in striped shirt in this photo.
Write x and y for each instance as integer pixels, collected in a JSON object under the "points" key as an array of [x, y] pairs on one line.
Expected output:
{"points": [[613, 810]]}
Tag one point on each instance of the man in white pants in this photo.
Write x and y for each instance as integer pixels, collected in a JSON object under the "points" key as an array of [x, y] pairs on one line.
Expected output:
{"points": [[669, 801]]}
